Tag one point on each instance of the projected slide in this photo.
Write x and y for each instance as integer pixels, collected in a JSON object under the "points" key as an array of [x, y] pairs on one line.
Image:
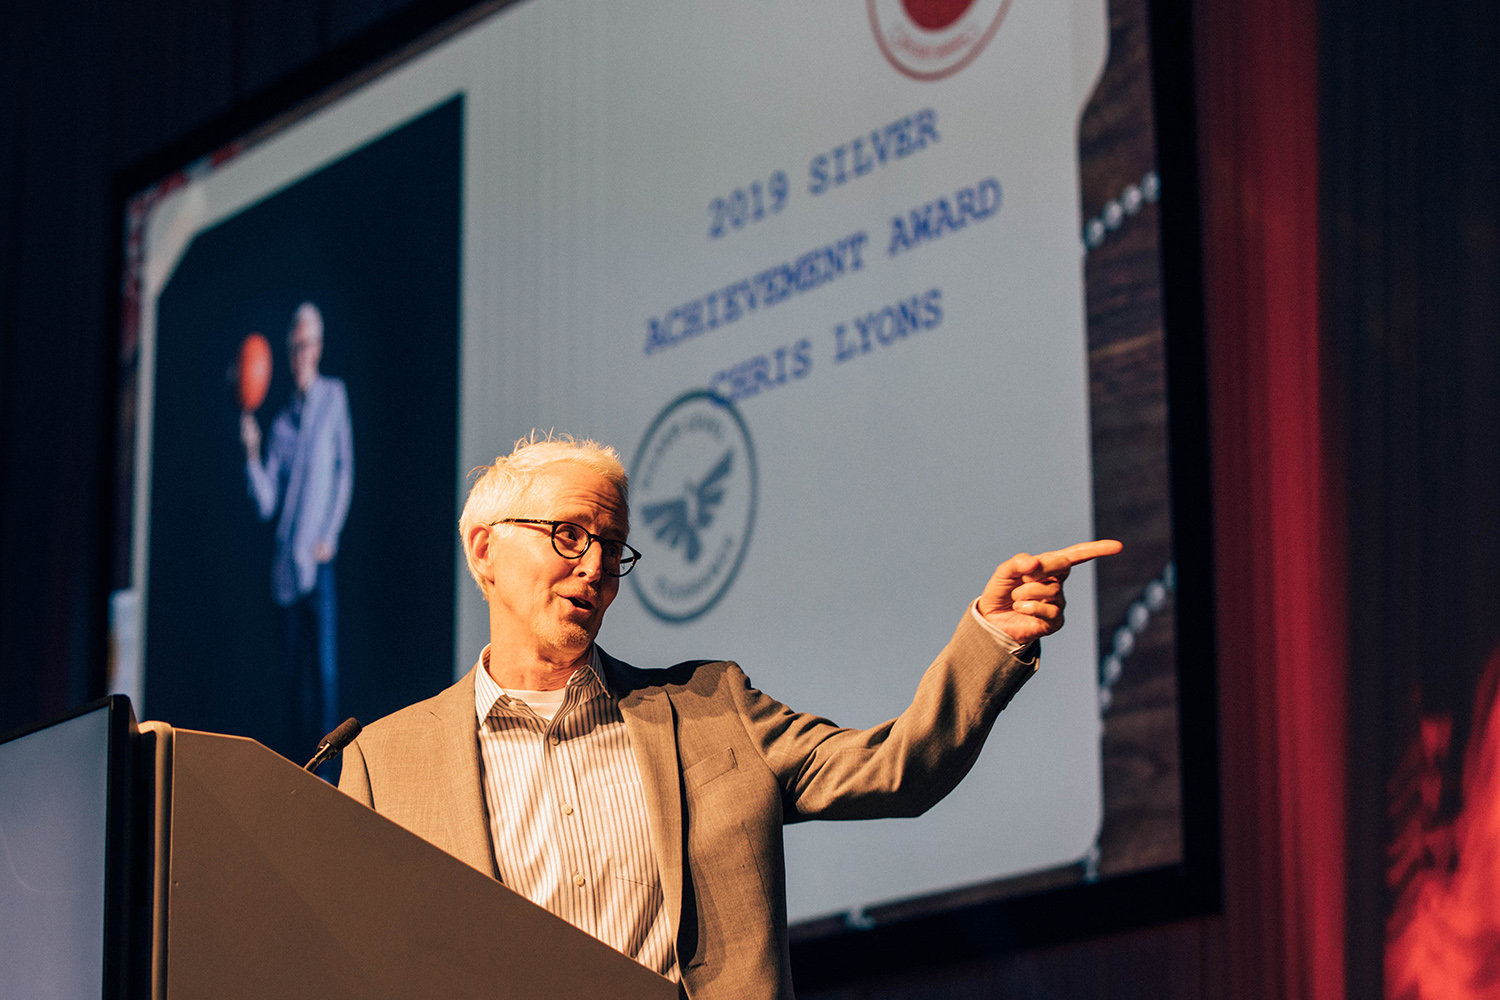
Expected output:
{"points": [[817, 273]]}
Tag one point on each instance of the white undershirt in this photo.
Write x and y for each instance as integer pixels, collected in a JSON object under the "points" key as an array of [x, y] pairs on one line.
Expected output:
{"points": [[543, 703]]}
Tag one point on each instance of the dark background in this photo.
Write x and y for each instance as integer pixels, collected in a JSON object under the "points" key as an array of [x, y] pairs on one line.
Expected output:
{"points": [[1404, 176], [1411, 216], [373, 240]]}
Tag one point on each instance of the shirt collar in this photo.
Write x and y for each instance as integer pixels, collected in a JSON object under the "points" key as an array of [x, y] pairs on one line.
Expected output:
{"points": [[487, 692]]}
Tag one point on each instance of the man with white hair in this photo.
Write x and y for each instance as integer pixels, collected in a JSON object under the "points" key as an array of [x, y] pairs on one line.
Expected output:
{"points": [[646, 806], [308, 472]]}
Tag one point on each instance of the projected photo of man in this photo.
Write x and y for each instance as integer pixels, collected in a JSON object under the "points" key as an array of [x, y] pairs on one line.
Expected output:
{"points": [[351, 277], [307, 474]]}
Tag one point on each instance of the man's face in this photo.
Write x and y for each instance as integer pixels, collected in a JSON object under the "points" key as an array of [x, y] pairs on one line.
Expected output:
{"points": [[538, 599], [304, 351]]}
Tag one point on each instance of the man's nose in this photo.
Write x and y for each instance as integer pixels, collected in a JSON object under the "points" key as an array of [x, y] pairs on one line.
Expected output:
{"points": [[591, 563]]}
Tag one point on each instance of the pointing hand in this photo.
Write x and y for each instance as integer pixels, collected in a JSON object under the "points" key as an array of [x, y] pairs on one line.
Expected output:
{"points": [[1024, 599]]}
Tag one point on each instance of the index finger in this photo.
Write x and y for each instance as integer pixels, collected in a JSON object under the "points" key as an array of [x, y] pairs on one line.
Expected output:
{"points": [[1061, 559]]}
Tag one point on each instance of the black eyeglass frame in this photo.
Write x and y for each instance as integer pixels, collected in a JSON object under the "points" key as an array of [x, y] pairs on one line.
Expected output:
{"points": [[625, 566]]}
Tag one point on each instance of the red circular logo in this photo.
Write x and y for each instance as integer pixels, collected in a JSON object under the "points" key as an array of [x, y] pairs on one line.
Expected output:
{"points": [[935, 15], [931, 39]]}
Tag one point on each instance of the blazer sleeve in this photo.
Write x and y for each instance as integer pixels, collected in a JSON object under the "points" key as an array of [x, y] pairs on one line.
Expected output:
{"points": [[901, 767]]}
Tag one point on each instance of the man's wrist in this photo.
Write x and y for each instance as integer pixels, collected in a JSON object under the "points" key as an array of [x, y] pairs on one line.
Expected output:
{"points": [[1007, 642]]}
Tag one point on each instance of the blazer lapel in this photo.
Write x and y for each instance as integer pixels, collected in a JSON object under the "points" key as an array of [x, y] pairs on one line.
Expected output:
{"points": [[458, 786], [649, 721]]}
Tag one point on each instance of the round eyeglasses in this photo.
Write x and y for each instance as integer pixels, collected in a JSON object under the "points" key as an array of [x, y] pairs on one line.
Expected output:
{"points": [[571, 541]]}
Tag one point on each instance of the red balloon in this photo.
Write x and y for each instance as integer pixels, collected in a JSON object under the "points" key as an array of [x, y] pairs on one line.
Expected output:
{"points": [[255, 372]]}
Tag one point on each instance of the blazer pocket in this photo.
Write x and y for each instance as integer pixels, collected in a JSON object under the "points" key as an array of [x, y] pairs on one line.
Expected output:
{"points": [[709, 768]]}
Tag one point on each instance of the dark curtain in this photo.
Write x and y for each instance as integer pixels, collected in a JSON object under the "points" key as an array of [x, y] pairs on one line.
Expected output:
{"points": [[1411, 202]]}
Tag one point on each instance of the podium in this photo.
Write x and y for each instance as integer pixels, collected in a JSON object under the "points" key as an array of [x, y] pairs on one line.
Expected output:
{"points": [[283, 887], [251, 878]]}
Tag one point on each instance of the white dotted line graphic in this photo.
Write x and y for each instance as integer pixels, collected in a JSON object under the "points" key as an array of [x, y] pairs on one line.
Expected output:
{"points": [[1117, 209], [1112, 665]]}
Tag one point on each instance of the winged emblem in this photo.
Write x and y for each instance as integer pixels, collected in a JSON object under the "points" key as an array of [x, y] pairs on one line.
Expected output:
{"points": [[678, 521]]}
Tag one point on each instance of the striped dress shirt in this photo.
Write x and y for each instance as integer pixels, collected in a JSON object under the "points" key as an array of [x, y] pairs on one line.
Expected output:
{"points": [[568, 815]]}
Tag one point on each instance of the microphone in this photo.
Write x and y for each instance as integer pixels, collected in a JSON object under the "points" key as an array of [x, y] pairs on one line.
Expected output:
{"points": [[333, 744]]}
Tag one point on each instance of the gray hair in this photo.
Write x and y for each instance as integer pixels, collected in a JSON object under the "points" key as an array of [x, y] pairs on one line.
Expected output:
{"points": [[310, 315], [504, 487]]}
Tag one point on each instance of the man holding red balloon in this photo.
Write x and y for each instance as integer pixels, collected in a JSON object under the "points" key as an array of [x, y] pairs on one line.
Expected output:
{"points": [[308, 473]]}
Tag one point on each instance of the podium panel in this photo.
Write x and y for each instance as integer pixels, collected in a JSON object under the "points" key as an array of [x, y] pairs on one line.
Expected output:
{"points": [[54, 884], [281, 887]]}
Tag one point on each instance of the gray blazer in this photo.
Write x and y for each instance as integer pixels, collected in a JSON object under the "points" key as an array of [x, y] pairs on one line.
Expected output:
{"points": [[309, 470], [723, 766]]}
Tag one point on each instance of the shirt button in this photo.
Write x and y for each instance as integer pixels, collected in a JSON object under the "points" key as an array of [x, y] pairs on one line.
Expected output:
{"points": [[553, 739], [567, 810], [578, 880]]}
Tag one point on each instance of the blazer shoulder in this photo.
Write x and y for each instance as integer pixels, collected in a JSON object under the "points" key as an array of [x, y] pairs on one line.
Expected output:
{"points": [[449, 704], [689, 676]]}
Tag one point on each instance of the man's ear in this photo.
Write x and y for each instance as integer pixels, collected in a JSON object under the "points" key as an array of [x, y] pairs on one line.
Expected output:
{"points": [[479, 541]]}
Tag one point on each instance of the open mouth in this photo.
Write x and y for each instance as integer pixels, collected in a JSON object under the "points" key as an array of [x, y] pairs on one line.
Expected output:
{"points": [[582, 603]]}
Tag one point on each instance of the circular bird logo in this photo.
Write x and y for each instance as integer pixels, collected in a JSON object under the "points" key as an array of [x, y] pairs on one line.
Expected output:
{"points": [[693, 485]]}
